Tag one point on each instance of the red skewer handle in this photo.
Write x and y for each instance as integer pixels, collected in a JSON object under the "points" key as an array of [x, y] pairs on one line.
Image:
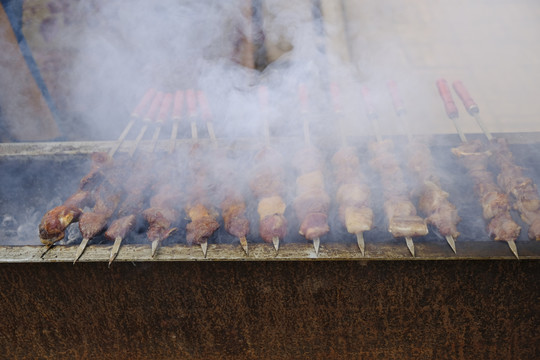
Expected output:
{"points": [[152, 113], [191, 101], [144, 103], [396, 98], [205, 107], [165, 109], [178, 105], [468, 102], [446, 96]]}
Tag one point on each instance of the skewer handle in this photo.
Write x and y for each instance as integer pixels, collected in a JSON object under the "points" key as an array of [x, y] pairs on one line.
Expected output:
{"points": [[468, 102], [152, 113], [446, 96], [191, 102], [178, 105], [144, 103], [399, 106], [204, 106], [165, 109]]}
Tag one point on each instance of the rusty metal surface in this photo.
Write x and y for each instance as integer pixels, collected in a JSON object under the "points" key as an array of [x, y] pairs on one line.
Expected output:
{"points": [[271, 310]]}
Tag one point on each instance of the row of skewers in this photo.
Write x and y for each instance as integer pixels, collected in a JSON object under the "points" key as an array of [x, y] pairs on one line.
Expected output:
{"points": [[118, 203]]}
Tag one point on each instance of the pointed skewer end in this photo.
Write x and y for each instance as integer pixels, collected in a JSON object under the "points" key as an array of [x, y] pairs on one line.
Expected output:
{"points": [[80, 249], [155, 246], [410, 245], [361, 243], [316, 245], [452, 242], [244, 243], [275, 240], [513, 247], [204, 247], [115, 250]]}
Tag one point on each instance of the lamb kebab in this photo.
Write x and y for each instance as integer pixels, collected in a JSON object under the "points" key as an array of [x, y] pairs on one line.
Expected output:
{"points": [[165, 204], [232, 204], [353, 193], [473, 156], [312, 202], [202, 216], [54, 223], [511, 179], [267, 185], [403, 220], [106, 200], [433, 202]]}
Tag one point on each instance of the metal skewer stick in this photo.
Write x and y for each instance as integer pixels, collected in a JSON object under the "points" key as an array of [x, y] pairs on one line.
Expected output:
{"points": [[176, 117], [401, 114], [191, 101], [206, 115], [158, 118], [307, 139], [473, 109], [151, 114], [263, 101], [453, 114], [373, 117], [334, 93], [137, 113]]}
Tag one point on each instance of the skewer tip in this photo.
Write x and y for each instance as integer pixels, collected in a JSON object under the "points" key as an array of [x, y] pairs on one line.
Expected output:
{"points": [[49, 247], [244, 243], [115, 250], [204, 247], [80, 249], [155, 246], [316, 245], [452, 242], [513, 247], [361, 243], [275, 240], [410, 245]]}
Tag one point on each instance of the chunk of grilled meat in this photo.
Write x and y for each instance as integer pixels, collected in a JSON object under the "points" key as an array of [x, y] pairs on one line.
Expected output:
{"points": [[494, 202], [311, 202], [267, 185], [433, 201], [400, 211], [55, 221], [233, 211], [203, 223], [521, 188], [353, 194]]}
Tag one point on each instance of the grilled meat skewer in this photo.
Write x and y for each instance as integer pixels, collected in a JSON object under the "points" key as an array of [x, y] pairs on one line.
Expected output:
{"points": [[54, 223], [267, 184], [353, 195]]}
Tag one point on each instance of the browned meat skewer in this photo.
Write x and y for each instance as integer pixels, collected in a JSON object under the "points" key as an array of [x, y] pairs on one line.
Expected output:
{"points": [[433, 202], [267, 184], [165, 206], [312, 202], [521, 188], [55, 221], [495, 204], [106, 200], [132, 205], [400, 211], [199, 209], [353, 194]]}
